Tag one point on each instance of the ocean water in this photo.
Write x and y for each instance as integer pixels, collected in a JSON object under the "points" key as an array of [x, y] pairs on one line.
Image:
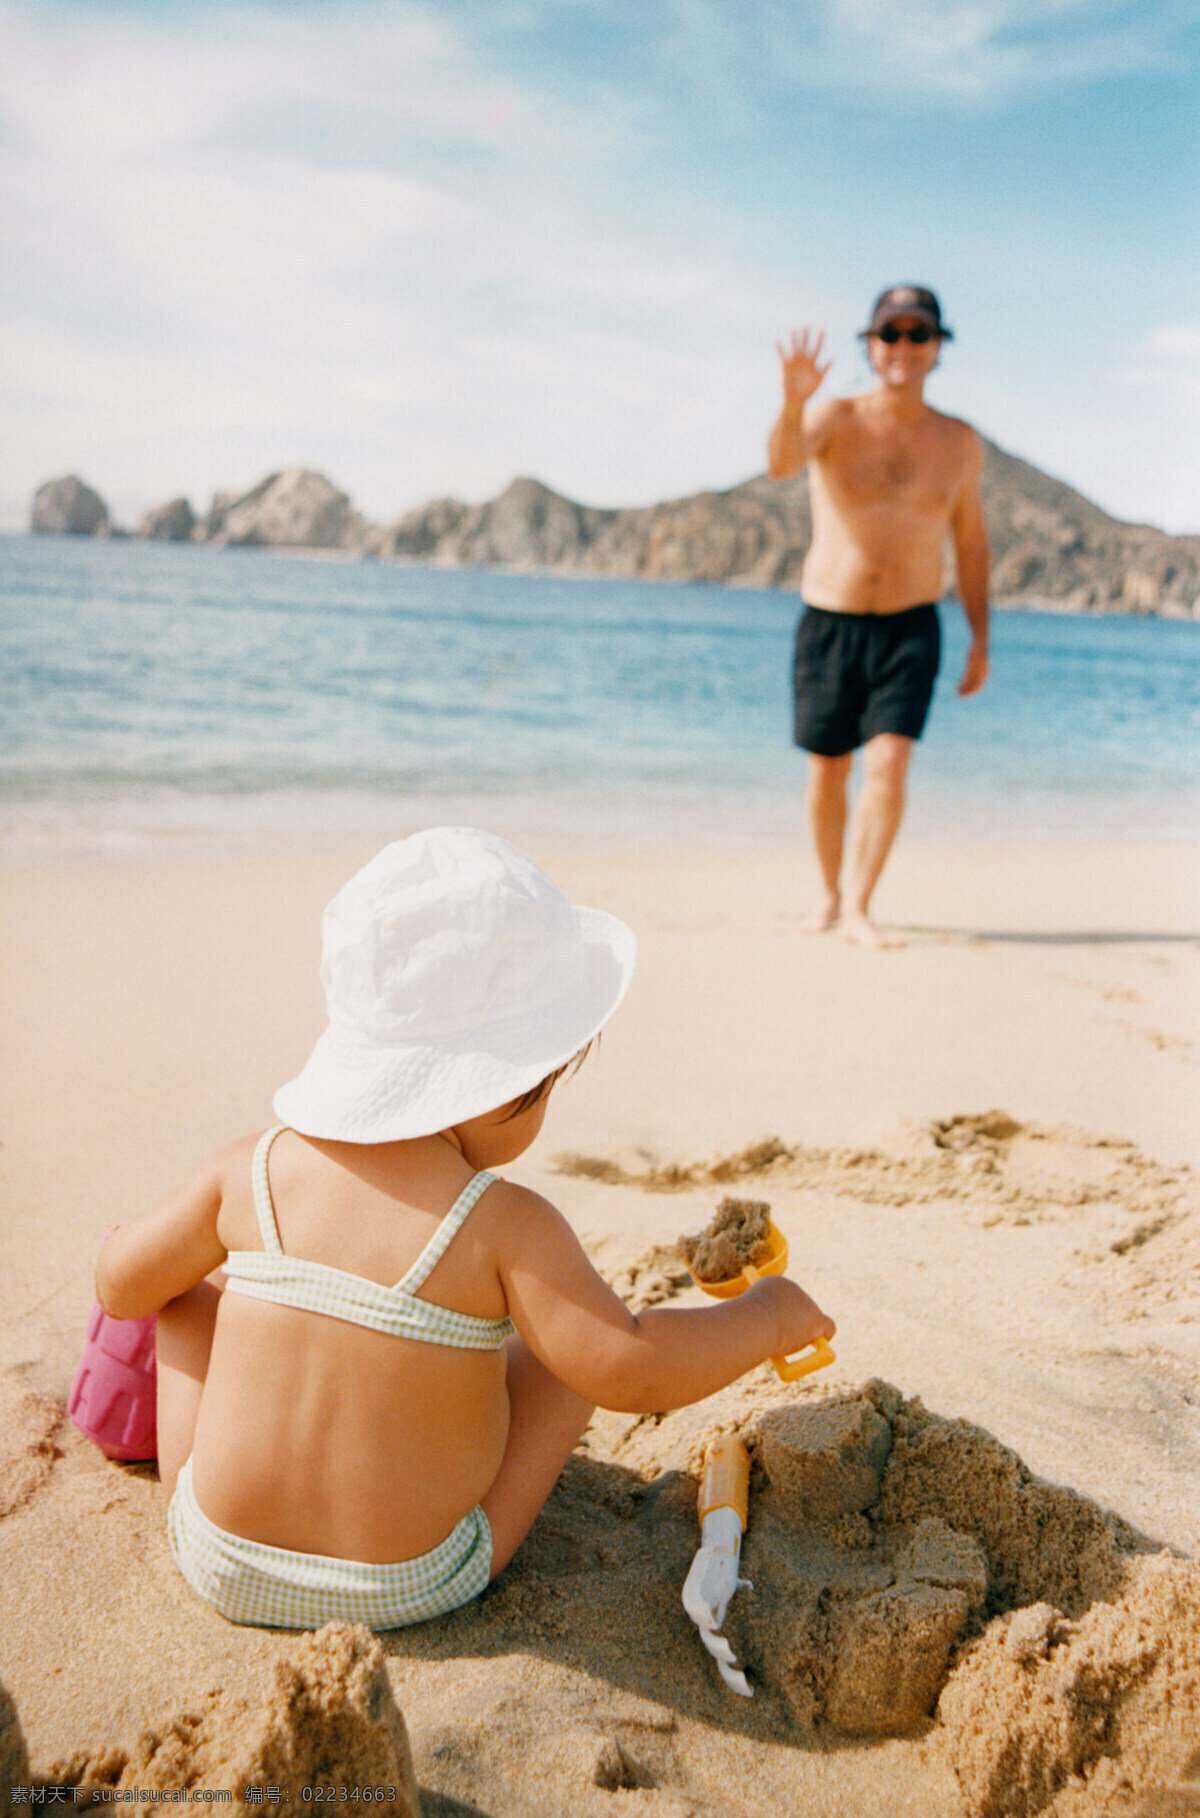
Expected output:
{"points": [[165, 694]]}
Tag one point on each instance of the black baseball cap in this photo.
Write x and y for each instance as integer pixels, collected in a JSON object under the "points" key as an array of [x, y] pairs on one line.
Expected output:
{"points": [[907, 300]]}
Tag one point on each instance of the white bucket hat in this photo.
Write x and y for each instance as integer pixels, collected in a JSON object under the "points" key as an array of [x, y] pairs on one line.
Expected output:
{"points": [[456, 977]]}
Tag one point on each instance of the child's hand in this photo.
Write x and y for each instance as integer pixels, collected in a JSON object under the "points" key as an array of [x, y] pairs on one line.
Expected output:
{"points": [[798, 1317]]}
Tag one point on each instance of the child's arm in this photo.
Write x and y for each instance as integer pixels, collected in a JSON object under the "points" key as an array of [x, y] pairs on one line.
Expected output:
{"points": [[165, 1251], [645, 1362]]}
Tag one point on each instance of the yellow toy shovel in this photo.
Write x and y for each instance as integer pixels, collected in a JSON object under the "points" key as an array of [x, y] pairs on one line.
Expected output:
{"points": [[713, 1578], [787, 1369]]}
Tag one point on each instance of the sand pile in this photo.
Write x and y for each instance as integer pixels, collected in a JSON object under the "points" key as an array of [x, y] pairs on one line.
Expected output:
{"points": [[30, 1422], [1008, 1169], [14, 1760], [860, 1617], [1096, 1716], [325, 1720], [906, 1565]]}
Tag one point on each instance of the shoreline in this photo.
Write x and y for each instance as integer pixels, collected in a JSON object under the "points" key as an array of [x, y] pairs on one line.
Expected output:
{"points": [[292, 822]]}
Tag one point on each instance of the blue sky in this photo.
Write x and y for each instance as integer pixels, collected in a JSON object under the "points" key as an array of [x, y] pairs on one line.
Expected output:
{"points": [[426, 247]]}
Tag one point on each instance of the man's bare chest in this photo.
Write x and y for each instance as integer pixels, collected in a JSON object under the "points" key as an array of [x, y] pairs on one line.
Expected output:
{"points": [[907, 470]]}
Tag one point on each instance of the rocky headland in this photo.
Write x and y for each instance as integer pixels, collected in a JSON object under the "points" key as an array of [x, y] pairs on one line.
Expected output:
{"points": [[69, 508], [1051, 547]]}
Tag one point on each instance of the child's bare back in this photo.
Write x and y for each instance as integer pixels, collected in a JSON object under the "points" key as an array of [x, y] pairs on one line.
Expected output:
{"points": [[313, 1431]]}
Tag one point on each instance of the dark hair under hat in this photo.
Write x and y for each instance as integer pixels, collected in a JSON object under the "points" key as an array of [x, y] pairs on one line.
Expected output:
{"points": [[907, 300]]}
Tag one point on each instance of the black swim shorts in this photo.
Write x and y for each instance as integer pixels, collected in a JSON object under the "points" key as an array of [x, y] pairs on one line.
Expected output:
{"points": [[859, 674]]}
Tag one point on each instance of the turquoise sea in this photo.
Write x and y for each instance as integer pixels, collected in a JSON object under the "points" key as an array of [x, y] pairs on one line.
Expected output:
{"points": [[157, 694]]}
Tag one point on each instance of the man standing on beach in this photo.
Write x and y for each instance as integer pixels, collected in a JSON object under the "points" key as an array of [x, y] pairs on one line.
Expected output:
{"points": [[891, 478]]}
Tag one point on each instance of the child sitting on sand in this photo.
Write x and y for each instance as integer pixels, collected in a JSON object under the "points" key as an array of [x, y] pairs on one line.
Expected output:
{"points": [[374, 1355]]}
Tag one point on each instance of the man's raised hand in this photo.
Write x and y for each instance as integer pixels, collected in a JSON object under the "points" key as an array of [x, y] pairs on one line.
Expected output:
{"points": [[801, 365]]}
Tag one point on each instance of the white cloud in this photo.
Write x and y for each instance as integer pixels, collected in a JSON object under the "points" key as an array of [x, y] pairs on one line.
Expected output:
{"points": [[123, 87], [208, 274], [345, 237], [1162, 448], [1129, 440], [1171, 354], [911, 53]]}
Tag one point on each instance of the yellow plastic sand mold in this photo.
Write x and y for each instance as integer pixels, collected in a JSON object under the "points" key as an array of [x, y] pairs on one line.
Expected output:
{"points": [[788, 1369]]}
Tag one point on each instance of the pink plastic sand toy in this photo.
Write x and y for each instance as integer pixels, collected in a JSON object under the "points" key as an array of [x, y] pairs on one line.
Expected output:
{"points": [[113, 1395]]}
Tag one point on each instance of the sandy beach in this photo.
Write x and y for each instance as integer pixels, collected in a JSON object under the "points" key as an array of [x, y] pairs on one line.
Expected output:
{"points": [[973, 1540]]}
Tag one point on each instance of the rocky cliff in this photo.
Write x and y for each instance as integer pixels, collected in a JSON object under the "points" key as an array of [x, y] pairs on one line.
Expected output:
{"points": [[296, 509], [754, 535], [174, 522], [68, 508], [1051, 547]]}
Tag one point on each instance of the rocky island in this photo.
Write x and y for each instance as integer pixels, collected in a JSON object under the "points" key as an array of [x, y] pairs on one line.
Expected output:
{"points": [[1052, 548], [69, 508]]}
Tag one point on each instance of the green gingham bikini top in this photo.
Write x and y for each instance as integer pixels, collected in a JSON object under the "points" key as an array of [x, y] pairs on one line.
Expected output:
{"points": [[270, 1274]]}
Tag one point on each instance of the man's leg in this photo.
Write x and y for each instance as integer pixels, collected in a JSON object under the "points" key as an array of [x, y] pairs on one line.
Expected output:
{"points": [[825, 803], [877, 816]]}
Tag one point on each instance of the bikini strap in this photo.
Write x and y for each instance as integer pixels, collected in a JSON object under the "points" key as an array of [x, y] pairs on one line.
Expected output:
{"points": [[264, 1205], [430, 1256], [449, 1228]]}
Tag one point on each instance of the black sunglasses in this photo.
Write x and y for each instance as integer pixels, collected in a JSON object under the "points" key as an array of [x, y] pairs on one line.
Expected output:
{"points": [[918, 335]]}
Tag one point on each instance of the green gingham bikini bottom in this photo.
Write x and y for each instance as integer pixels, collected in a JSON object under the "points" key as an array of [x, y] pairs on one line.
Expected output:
{"points": [[272, 1587]]}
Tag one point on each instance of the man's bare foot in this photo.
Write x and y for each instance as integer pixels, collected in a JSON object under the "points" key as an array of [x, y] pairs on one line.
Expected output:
{"points": [[823, 918], [861, 931]]}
